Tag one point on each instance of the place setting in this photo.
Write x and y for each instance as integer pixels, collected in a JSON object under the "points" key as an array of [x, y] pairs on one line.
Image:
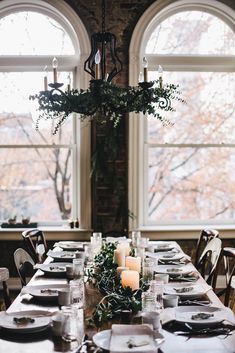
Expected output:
{"points": [[55, 269], [195, 321], [187, 291], [63, 256], [70, 245], [24, 326], [43, 293]]}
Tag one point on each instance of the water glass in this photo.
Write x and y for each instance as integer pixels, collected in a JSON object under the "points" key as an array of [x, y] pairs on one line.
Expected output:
{"points": [[64, 297], [148, 270], [135, 235], [142, 243], [152, 318], [162, 277], [140, 252], [96, 242], [73, 324], [77, 292], [78, 268]]}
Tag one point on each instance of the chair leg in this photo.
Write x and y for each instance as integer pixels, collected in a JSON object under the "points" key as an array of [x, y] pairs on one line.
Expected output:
{"points": [[6, 295]]}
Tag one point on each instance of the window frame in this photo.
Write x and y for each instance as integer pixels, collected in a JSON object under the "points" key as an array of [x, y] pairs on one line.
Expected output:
{"points": [[138, 161], [66, 16]]}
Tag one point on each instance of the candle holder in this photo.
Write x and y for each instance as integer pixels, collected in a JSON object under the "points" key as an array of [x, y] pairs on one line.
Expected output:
{"points": [[55, 85], [146, 85]]}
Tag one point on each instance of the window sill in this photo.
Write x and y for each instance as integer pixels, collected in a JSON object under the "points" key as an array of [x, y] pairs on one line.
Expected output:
{"points": [[175, 232], [51, 232]]}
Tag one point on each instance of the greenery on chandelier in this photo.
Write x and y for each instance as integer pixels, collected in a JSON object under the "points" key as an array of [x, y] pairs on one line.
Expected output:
{"points": [[116, 299], [104, 101]]}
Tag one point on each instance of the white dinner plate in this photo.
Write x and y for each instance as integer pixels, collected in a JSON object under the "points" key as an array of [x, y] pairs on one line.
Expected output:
{"points": [[186, 314], [102, 339], [174, 270], [55, 269], [162, 246], [71, 246], [44, 294], [186, 290], [67, 256], [38, 323], [170, 256]]}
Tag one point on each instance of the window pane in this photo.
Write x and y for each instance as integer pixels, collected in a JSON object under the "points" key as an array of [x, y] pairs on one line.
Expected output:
{"points": [[31, 33], [35, 182], [18, 114], [192, 32], [208, 115], [185, 184]]}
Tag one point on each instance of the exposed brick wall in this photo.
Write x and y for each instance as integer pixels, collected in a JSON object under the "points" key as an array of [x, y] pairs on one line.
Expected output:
{"points": [[121, 18]]}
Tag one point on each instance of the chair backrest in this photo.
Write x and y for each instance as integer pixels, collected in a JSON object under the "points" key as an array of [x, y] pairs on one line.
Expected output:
{"points": [[229, 270], [36, 244], [206, 235], [4, 276], [209, 259], [24, 264]]}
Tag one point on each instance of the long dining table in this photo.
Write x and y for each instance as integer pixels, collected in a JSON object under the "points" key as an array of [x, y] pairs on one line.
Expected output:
{"points": [[45, 342]]}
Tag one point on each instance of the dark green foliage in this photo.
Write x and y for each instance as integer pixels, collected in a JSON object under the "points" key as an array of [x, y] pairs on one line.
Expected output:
{"points": [[104, 101], [116, 298]]}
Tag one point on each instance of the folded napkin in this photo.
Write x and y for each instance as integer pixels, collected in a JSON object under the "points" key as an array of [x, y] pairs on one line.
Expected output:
{"points": [[132, 338]]}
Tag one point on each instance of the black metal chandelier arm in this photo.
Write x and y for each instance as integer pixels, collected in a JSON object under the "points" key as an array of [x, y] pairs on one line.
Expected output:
{"points": [[164, 103]]}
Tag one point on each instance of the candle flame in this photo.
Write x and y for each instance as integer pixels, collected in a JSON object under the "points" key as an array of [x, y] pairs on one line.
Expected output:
{"points": [[97, 57], [145, 62], [54, 63]]}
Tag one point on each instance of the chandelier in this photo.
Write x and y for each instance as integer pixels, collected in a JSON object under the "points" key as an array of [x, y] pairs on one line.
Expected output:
{"points": [[104, 100]]}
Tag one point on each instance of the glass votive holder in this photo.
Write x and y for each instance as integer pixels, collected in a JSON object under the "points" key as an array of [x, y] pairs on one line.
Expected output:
{"points": [[157, 287], [148, 301]]}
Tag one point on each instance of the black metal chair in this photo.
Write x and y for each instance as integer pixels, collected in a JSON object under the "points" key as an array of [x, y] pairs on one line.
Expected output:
{"points": [[4, 276], [24, 264], [35, 242], [227, 263], [209, 260], [206, 235]]}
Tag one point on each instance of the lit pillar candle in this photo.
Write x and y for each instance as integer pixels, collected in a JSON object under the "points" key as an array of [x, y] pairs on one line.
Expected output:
{"points": [[160, 73], [134, 263], [125, 246], [130, 279], [119, 257], [145, 66], [55, 67], [120, 269], [97, 65], [45, 79]]}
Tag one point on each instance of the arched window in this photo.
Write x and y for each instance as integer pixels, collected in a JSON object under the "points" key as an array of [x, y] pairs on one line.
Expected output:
{"points": [[184, 173], [40, 174]]}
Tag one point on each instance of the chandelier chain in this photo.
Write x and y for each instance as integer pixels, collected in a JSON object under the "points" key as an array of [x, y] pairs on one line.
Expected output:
{"points": [[103, 16]]}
